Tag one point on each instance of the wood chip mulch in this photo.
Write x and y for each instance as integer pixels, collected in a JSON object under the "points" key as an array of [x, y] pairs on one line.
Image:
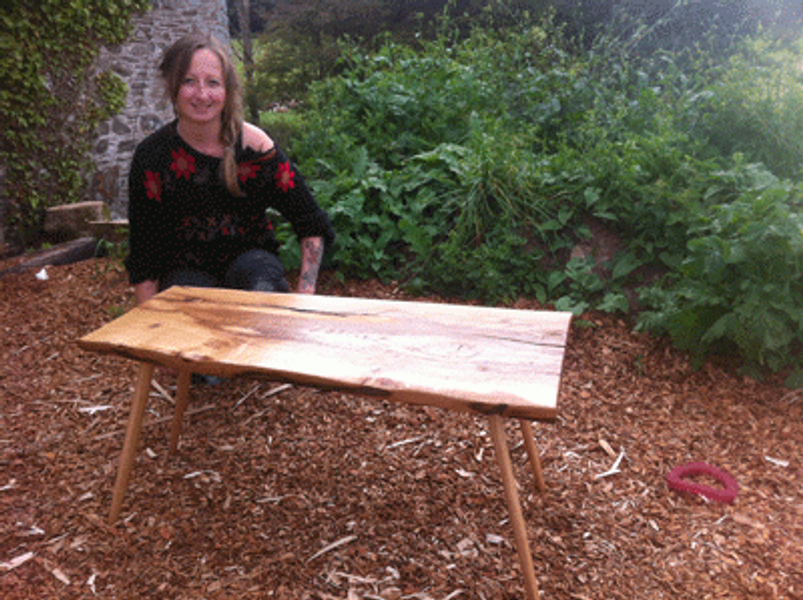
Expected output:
{"points": [[294, 494]]}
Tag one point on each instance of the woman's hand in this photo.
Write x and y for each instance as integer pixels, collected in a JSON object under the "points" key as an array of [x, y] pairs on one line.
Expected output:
{"points": [[145, 290]]}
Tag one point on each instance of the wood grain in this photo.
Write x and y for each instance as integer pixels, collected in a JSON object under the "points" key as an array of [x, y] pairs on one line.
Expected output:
{"points": [[483, 360]]}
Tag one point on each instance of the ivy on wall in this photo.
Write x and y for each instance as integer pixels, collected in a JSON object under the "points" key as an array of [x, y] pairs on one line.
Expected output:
{"points": [[52, 99]]}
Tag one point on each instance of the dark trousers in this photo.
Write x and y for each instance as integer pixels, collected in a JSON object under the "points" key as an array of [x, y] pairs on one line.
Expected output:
{"points": [[255, 270]]}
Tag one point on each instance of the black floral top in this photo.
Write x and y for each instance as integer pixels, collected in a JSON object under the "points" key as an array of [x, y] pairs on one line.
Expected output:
{"points": [[181, 215]]}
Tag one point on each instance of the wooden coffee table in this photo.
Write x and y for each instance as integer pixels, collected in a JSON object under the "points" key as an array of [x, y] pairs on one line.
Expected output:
{"points": [[492, 362]]}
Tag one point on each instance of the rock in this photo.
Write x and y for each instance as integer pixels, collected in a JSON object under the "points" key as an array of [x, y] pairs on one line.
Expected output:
{"points": [[602, 246]]}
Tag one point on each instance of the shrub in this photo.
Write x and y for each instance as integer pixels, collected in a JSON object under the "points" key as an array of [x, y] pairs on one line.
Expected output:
{"points": [[740, 285], [755, 104], [283, 127], [474, 167]]}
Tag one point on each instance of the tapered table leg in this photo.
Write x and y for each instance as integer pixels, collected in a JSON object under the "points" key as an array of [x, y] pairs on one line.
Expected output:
{"points": [[182, 398], [514, 506], [532, 454], [131, 438]]}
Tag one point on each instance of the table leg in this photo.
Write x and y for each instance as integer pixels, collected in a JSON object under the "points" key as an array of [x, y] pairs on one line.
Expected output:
{"points": [[532, 454], [182, 397], [131, 438], [514, 506]]}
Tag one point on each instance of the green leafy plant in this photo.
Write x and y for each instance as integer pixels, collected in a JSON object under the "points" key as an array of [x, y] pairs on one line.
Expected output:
{"points": [[754, 105], [51, 100], [476, 166], [740, 285]]}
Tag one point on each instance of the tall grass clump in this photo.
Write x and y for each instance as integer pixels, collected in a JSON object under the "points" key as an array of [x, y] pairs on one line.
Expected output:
{"points": [[755, 105], [486, 166]]}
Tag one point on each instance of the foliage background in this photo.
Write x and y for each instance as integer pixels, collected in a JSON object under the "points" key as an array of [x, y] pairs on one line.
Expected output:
{"points": [[51, 100], [485, 161]]}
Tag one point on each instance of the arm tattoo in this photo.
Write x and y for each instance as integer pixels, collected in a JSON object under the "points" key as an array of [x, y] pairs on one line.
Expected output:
{"points": [[311, 256]]}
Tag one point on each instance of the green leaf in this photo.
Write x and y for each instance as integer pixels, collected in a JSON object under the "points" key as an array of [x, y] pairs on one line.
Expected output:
{"points": [[614, 302], [625, 265], [568, 304]]}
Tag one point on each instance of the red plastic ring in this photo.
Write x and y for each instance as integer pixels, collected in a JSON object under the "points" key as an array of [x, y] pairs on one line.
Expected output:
{"points": [[676, 480]]}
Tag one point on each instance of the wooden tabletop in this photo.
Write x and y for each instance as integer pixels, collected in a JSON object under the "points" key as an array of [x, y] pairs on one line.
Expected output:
{"points": [[477, 359]]}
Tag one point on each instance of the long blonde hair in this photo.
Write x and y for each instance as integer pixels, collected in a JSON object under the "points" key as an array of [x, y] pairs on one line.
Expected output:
{"points": [[174, 66]]}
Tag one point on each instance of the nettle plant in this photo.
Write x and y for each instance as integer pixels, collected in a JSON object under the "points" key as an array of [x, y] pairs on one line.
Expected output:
{"points": [[52, 100]]}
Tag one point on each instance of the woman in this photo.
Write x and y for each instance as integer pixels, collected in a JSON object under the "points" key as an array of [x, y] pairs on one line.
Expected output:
{"points": [[200, 188]]}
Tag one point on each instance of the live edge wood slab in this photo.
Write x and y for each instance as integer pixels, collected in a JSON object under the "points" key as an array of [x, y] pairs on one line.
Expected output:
{"points": [[498, 363]]}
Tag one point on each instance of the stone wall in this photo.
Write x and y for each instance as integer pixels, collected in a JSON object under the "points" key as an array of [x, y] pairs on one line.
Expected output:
{"points": [[146, 109]]}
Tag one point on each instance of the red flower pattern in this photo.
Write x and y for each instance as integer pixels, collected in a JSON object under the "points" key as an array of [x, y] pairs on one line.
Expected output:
{"points": [[247, 170], [284, 177], [183, 164], [153, 185]]}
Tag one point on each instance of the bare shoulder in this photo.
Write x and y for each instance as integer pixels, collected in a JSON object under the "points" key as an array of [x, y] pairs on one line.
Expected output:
{"points": [[254, 137]]}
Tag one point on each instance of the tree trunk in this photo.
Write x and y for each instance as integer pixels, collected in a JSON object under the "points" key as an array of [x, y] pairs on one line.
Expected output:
{"points": [[244, 16]]}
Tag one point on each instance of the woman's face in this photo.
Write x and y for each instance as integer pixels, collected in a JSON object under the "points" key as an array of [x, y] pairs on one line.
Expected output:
{"points": [[202, 94]]}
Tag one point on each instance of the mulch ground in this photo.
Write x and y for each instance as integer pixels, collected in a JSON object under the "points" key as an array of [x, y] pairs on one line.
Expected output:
{"points": [[291, 493]]}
